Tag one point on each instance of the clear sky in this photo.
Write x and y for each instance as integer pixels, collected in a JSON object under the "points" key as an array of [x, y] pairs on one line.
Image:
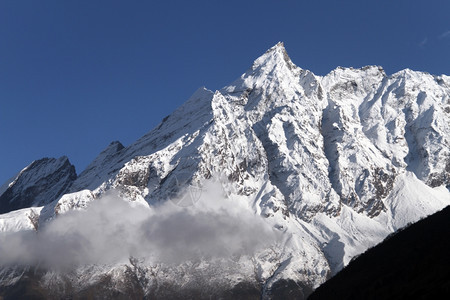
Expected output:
{"points": [[76, 75]]}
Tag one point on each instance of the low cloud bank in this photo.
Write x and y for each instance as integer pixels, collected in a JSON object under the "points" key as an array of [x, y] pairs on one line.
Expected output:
{"points": [[111, 231]]}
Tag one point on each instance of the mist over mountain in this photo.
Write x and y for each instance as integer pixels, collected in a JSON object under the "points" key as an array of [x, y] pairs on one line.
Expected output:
{"points": [[263, 189]]}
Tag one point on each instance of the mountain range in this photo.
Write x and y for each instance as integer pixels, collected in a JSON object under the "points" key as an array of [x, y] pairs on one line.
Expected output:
{"points": [[263, 189]]}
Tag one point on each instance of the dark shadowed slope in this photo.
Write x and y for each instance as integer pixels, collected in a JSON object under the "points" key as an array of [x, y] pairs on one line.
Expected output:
{"points": [[412, 264], [40, 183]]}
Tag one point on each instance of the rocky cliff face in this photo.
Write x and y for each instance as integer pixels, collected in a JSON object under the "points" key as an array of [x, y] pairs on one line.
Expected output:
{"points": [[334, 164]]}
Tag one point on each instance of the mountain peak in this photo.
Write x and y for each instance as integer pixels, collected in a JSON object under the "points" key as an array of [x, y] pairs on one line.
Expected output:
{"points": [[276, 55], [40, 183], [278, 45], [271, 68]]}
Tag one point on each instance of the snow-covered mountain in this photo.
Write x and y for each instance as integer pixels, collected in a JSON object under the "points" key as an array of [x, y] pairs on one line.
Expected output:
{"points": [[40, 183], [331, 164]]}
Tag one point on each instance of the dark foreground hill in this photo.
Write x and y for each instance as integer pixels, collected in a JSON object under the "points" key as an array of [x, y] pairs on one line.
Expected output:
{"points": [[412, 264]]}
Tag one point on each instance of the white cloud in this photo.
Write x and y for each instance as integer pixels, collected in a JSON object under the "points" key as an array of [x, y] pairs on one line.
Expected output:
{"points": [[423, 42], [445, 35], [110, 231]]}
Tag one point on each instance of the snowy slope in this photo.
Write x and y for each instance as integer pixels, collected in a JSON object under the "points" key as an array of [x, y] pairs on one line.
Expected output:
{"points": [[333, 164], [40, 183], [18, 220]]}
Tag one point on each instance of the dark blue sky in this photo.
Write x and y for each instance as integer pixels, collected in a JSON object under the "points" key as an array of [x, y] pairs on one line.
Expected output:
{"points": [[76, 75]]}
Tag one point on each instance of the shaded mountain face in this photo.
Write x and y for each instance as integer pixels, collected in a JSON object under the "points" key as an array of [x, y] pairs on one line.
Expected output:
{"points": [[412, 263], [39, 184], [331, 165]]}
